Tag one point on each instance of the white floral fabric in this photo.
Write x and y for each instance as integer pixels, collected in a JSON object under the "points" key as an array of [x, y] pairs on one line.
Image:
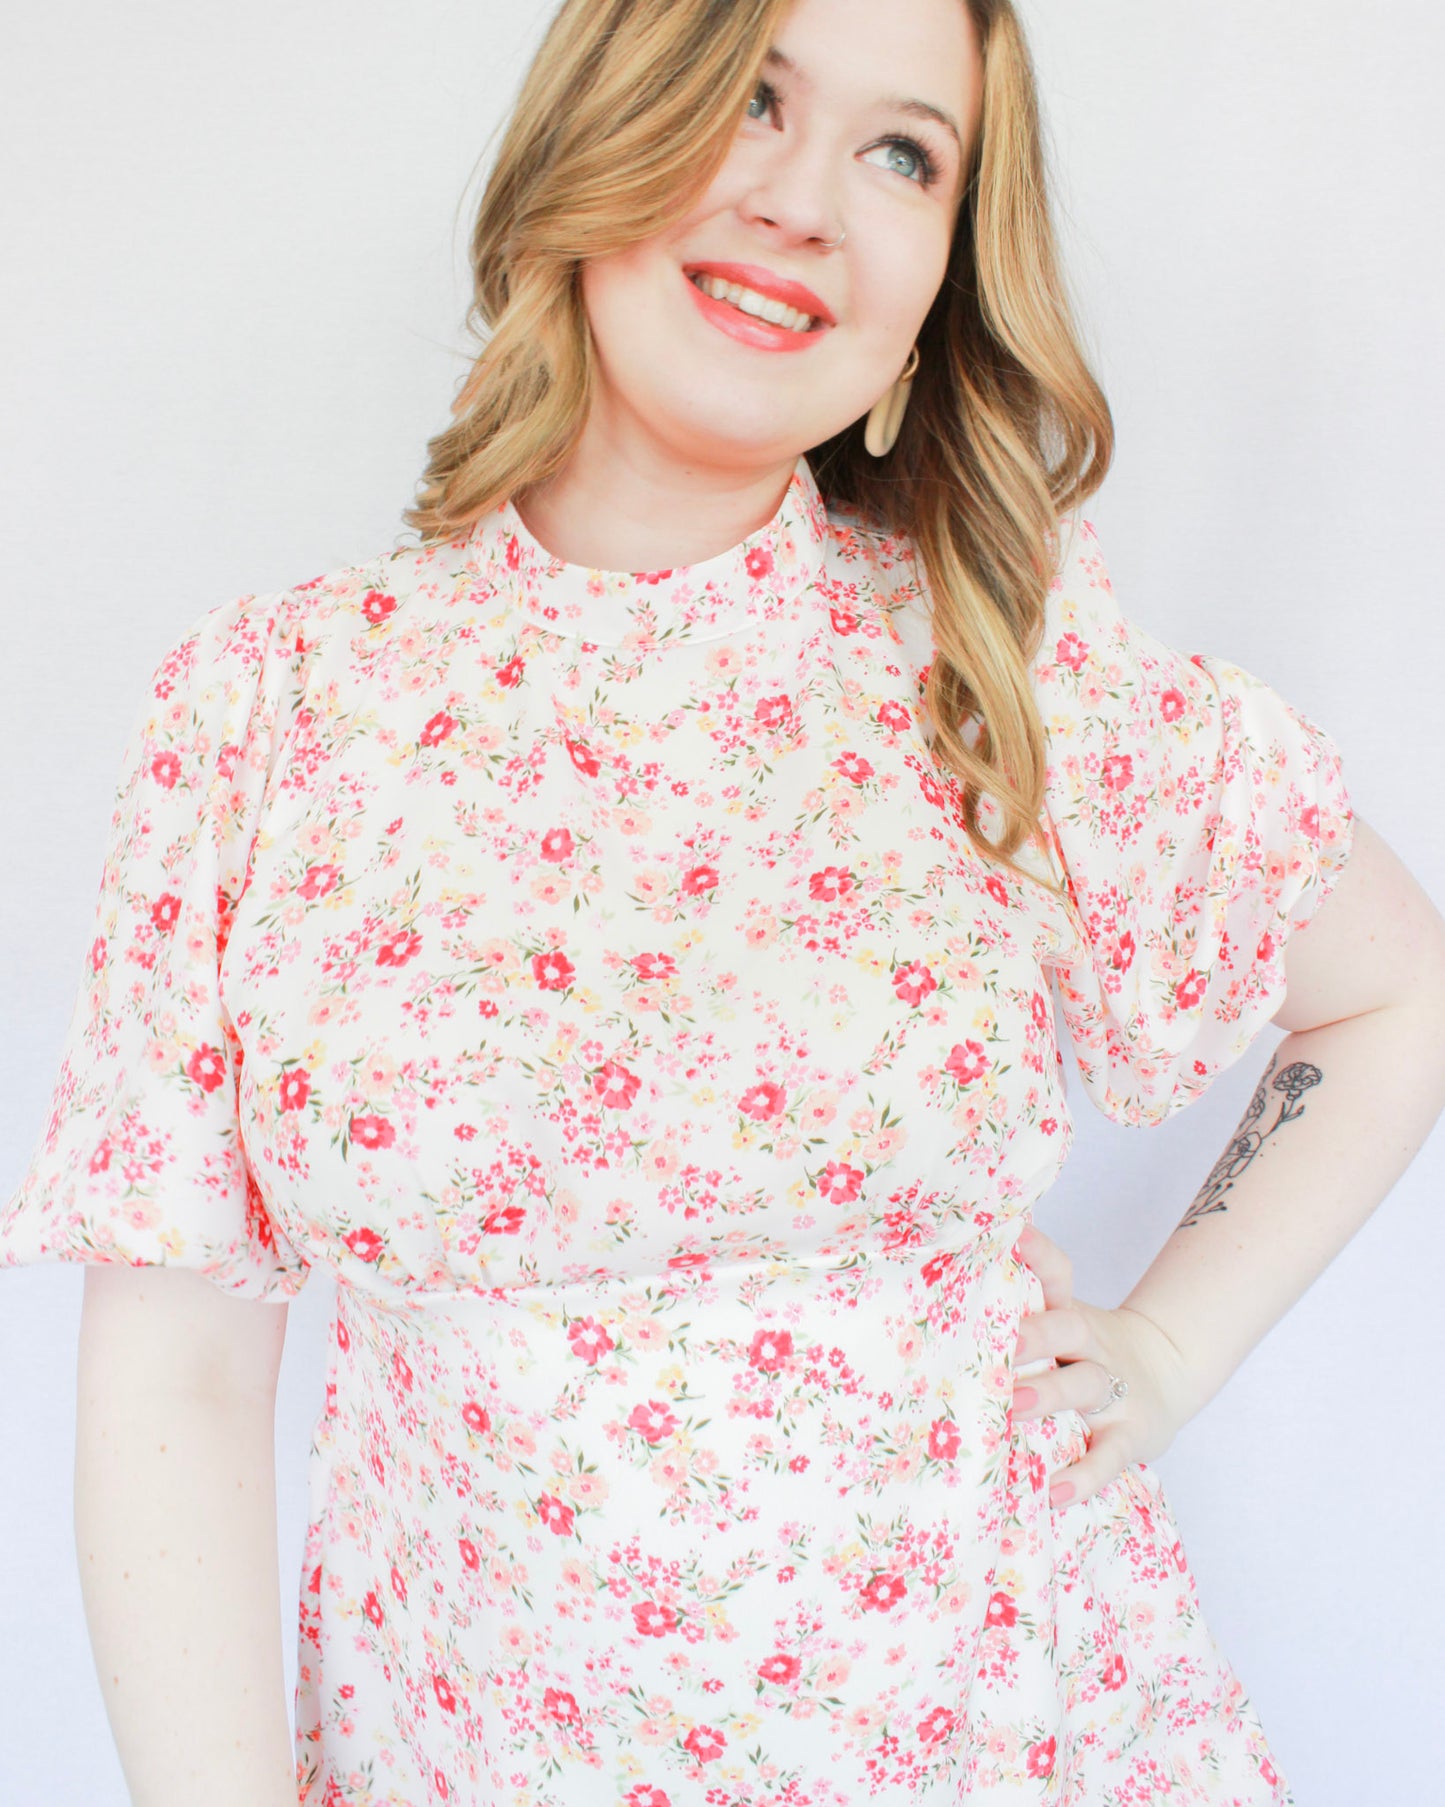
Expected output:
{"points": [[591, 973]]}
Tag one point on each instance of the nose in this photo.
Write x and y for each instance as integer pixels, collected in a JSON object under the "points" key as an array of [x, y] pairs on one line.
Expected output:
{"points": [[795, 195]]}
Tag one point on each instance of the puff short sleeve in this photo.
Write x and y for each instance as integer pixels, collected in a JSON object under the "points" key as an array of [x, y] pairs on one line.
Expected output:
{"points": [[1199, 821], [142, 1158]]}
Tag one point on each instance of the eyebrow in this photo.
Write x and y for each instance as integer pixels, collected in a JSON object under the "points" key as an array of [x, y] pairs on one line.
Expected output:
{"points": [[899, 103]]}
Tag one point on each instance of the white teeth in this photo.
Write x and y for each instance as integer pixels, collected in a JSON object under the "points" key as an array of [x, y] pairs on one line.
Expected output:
{"points": [[749, 302]]}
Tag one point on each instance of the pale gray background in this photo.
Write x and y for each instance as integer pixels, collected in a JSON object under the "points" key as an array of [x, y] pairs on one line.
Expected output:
{"points": [[231, 315]]}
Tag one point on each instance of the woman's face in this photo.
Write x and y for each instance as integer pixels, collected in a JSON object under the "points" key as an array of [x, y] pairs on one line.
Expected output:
{"points": [[842, 135]]}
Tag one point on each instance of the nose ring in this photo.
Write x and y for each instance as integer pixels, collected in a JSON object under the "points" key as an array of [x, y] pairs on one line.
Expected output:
{"points": [[837, 241]]}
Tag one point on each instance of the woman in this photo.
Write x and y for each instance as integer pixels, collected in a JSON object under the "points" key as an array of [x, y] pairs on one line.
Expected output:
{"points": [[620, 928]]}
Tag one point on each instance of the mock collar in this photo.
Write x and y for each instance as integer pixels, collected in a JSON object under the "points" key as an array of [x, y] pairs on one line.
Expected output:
{"points": [[757, 578]]}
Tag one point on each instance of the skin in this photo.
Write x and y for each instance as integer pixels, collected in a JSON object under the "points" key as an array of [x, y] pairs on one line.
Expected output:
{"points": [[691, 437]]}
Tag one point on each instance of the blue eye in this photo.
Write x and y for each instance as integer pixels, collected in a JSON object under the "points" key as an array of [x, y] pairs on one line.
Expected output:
{"points": [[925, 168]]}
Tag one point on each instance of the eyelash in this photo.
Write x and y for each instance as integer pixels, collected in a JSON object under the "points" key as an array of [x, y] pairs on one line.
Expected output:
{"points": [[927, 167]]}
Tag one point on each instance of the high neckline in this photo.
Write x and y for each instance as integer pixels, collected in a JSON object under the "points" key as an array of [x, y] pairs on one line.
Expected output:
{"points": [[758, 578]]}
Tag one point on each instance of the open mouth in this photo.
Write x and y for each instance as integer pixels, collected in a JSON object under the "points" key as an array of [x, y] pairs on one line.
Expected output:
{"points": [[760, 307]]}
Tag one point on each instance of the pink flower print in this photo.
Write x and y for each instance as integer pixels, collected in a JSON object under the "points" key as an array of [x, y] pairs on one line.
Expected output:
{"points": [[853, 766], [164, 911], [553, 970], [944, 1441], [913, 982], [686, 1258], [966, 1062], [367, 1247], [653, 1421], [556, 844], [295, 1089], [398, 1584], [401, 1369], [698, 880], [773, 711], [643, 1796], [398, 948], [1171, 704], [1117, 773], [1040, 1758], [893, 715], [615, 1086], [469, 1553], [882, 1593], [779, 1668], [1118, 951], [933, 791], [1190, 990], [829, 884], [1039, 1009], [588, 1339], [936, 1266], [513, 552], [653, 1619], [997, 889], [839, 1183], [319, 882], [376, 605], [207, 1067], [763, 1101], [97, 953], [1001, 1610], [555, 1514], [1071, 651], [438, 728], [446, 1699], [770, 1349], [166, 769], [372, 1607], [561, 1707], [844, 621], [583, 758], [504, 1220], [705, 1742], [510, 674], [476, 1417], [937, 1726], [1115, 1672], [654, 966], [759, 561], [372, 1132]]}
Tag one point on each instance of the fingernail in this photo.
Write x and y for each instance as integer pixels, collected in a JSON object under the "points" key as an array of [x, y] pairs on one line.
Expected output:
{"points": [[1061, 1493], [1025, 1398]]}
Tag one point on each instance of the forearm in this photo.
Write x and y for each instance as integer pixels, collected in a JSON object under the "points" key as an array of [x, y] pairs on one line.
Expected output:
{"points": [[175, 1523], [1337, 1117]]}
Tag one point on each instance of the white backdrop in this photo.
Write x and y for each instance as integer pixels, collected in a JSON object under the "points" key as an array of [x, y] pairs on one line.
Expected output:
{"points": [[232, 300]]}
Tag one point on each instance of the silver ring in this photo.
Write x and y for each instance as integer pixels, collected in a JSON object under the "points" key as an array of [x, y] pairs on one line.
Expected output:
{"points": [[1118, 1389], [837, 241]]}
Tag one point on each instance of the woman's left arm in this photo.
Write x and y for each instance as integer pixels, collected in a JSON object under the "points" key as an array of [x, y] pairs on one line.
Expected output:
{"points": [[1349, 1096]]}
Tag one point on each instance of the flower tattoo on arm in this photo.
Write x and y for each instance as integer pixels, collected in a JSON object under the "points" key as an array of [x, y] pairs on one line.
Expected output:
{"points": [[1291, 1083]]}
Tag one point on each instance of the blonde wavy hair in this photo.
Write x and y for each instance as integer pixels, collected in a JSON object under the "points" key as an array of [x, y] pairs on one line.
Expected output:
{"points": [[625, 115]]}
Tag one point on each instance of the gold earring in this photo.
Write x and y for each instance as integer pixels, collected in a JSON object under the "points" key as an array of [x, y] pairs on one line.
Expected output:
{"points": [[885, 418]]}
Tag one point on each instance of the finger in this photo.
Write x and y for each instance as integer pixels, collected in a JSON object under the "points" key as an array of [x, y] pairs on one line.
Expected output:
{"points": [[1107, 1456], [1061, 1333], [1050, 1263], [1076, 1386]]}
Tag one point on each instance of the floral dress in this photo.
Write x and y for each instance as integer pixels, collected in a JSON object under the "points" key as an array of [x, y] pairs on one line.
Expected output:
{"points": [[590, 971]]}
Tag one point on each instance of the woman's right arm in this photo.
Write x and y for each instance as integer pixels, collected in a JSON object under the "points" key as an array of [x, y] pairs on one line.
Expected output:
{"points": [[175, 1527]]}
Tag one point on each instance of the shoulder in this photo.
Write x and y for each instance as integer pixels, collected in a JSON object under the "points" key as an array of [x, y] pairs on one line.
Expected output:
{"points": [[238, 639]]}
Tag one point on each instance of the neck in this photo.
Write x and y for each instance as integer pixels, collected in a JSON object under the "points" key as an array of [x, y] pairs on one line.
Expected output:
{"points": [[623, 503]]}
